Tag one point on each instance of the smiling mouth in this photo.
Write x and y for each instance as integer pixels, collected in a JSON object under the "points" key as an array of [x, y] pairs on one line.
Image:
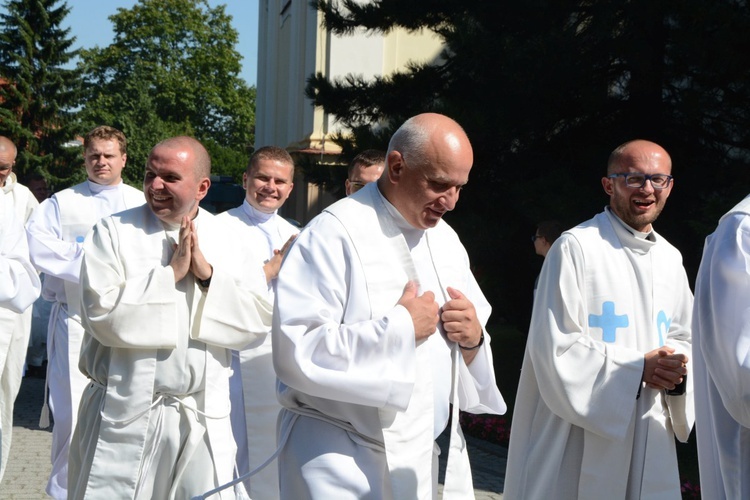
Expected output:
{"points": [[155, 197], [643, 203]]}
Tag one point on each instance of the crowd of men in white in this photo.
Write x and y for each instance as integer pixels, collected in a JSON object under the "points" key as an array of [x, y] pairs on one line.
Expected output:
{"points": [[237, 356]]}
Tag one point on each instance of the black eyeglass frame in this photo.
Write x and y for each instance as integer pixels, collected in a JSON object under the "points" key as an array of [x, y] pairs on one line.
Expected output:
{"points": [[646, 177]]}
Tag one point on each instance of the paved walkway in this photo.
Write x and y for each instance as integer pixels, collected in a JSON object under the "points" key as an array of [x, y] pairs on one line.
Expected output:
{"points": [[29, 464]]}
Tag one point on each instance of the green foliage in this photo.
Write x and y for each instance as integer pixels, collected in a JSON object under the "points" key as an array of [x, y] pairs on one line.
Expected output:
{"points": [[39, 96], [545, 90], [172, 70]]}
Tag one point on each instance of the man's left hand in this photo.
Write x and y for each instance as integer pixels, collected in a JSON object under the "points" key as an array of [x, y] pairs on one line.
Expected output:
{"points": [[460, 322], [199, 266]]}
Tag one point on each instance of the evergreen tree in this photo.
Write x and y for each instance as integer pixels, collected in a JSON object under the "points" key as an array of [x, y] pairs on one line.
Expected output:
{"points": [[172, 69], [38, 95], [546, 89]]}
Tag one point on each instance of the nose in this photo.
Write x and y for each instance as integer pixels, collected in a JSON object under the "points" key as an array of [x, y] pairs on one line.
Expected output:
{"points": [[450, 198], [157, 184], [647, 187]]}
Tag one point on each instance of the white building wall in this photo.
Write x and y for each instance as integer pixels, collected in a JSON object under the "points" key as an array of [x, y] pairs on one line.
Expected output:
{"points": [[292, 46]]}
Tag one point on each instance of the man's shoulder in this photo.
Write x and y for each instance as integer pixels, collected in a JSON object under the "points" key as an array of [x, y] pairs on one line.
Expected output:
{"points": [[20, 188], [742, 208], [285, 226], [129, 214], [77, 189], [590, 229], [665, 246], [130, 189]]}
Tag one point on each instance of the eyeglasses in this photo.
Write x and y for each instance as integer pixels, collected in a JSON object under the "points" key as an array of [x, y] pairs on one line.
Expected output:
{"points": [[356, 186], [638, 180], [536, 237]]}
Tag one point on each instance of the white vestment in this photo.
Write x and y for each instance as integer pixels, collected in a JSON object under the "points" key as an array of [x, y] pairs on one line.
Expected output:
{"points": [[584, 426], [721, 333], [19, 287], [255, 408], [18, 199], [363, 403], [154, 422], [56, 232]]}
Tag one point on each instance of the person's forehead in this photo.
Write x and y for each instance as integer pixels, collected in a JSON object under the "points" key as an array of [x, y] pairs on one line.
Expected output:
{"points": [[644, 159], [448, 174], [272, 168], [6, 159], [103, 145], [167, 160], [361, 171]]}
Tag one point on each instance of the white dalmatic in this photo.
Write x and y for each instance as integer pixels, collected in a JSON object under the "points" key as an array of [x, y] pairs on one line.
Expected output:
{"points": [[721, 332]]}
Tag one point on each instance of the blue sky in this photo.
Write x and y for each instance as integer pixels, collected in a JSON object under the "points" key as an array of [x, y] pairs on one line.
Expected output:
{"points": [[88, 22]]}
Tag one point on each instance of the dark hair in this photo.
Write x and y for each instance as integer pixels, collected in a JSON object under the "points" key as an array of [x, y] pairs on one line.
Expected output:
{"points": [[273, 153], [367, 158], [550, 230]]}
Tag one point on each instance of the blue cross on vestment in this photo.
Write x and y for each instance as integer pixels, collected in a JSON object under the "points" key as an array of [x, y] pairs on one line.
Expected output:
{"points": [[609, 322]]}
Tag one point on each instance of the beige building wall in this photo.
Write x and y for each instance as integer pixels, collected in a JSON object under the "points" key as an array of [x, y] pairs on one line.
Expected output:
{"points": [[292, 46]]}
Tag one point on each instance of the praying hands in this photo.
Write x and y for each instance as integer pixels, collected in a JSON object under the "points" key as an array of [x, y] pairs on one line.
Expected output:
{"points": [[187, 254]]}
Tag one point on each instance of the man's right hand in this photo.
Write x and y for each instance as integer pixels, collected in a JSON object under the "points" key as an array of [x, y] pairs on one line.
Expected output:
{"points": [[663, 369], [182, 256], [423, 310]]}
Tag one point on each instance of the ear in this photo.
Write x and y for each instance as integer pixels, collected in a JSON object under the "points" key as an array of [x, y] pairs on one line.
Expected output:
{"points": [[607, 185], [203, 186], [124, 160], [244, 180], [395, 166]]}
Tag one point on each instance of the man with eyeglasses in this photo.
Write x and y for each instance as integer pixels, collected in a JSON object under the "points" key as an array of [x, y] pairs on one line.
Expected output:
{"points": [[604, 388], [366, 167]]}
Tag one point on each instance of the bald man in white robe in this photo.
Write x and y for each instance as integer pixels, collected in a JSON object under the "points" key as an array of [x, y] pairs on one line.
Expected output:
{"points": [[19, 200], [598, 406], [19, 288], [378, 326], [166, 295]]}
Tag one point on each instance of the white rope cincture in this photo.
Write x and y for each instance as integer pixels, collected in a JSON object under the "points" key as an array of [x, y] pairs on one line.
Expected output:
{"points": [[259, 468]]}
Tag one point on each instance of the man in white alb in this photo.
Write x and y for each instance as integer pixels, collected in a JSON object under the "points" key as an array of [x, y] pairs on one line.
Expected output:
{"points": [[166, 295], [377, 318], [721, 336], [13, 346], [604, 388], [56, 232], [268, 182], [19, 287]]}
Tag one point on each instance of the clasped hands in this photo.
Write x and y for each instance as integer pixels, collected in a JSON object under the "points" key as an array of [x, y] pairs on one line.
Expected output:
{"points": [[663, 369], [187, 255], [458, 315]]}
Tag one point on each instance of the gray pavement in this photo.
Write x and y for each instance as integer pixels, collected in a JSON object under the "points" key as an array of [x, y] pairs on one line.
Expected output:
{"points": [[29, 463]]}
